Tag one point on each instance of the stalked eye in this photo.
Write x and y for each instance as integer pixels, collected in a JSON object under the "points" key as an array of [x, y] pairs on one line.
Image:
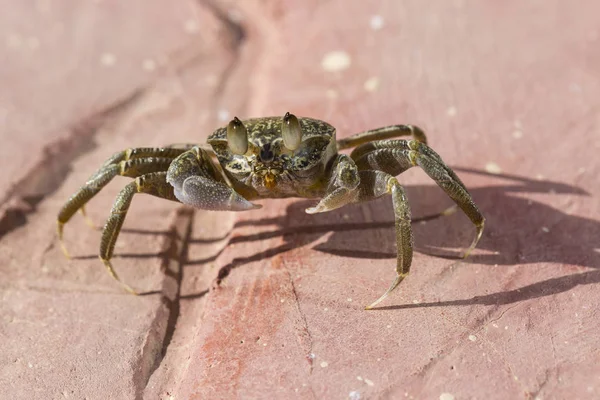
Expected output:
{"points": [[291, 132], [237, 137]]}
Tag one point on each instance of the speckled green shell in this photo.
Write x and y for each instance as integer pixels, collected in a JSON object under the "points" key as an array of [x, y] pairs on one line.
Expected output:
{"points": [[294, 173]]}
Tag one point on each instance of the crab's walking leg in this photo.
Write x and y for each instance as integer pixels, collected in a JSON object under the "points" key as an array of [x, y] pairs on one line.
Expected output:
{"points": [[374, 184], [387, 132], [349, 185], [131, 168], [396, 156], [153, 183]]}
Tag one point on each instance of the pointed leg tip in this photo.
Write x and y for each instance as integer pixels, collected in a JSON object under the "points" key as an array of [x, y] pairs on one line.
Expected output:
{"points": [[65, 251], [449, 211], [112, 273], [87, 219], [130, 290], [394, 285]]}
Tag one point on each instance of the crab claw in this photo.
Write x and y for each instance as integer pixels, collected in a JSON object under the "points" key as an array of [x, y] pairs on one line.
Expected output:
{"points": [[207, 194]]}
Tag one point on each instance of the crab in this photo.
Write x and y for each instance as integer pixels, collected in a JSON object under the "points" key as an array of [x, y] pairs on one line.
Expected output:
{"points": [[275, 157]]}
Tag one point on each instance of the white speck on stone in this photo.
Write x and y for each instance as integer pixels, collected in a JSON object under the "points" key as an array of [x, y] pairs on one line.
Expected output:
{"points": [[574, 88], [495, 325], [389, 326], [369, 382], [597, 250], [472, 338], [349, 299], [506, 327], [336, 61], [149, 65], [545, 229], [191, 26], [331, 94], [30, 365], [282, 300], [493, 168], [235, 16], [211, 80], [312, 356], [33, 43], [324, 364], [379, 359], [354, 395], [446, 396], [326, 309], [415, 301], [359, 378], [264, 344], [108, 59], [517, 134], [372, 84], [14, 41], [451, 111], [223, 115], [376, 22]]}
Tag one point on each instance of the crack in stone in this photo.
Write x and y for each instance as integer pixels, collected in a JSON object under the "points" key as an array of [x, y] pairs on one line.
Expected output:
{"points": [[159, 338], [304, 321], [48, 175], [162, 328]]}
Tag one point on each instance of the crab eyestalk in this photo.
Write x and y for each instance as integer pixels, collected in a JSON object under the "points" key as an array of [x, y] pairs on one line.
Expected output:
{"points": [[237, 136], [291, 132]]}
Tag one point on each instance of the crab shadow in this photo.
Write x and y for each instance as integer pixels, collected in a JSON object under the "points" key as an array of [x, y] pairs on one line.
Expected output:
{"points": [[519, 231]]}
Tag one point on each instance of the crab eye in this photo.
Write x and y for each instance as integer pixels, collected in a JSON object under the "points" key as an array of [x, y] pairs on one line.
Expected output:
{"points": [[291, 131], [237, 136]]}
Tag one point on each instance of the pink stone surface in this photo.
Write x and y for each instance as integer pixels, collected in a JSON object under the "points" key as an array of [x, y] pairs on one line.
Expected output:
{"points": [[508, 94]]}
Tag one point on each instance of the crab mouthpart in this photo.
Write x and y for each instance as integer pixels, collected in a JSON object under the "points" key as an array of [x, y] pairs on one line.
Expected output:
{"points": [[270, 180]]}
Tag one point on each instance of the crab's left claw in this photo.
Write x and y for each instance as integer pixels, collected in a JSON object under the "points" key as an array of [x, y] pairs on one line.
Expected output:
{"points": [[198, 183], [209, 194]]}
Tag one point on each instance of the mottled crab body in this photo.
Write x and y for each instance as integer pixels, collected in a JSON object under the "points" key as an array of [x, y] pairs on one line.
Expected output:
{"points": [[276, 157], [269, 169]]}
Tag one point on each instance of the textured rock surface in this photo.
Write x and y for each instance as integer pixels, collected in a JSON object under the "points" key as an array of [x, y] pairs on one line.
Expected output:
{"points": [[507, 93]]}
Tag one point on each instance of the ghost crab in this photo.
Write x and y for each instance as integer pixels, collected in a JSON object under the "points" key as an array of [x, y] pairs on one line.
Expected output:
{"points": [[276, 157]]}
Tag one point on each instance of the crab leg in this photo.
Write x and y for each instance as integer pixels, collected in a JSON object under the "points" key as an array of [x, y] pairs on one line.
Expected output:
{"points": [[387, 132], [349, 185], [144, 152], [154, 184], [132, 168], [374, 184], [119, 163], [396, 156]]}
